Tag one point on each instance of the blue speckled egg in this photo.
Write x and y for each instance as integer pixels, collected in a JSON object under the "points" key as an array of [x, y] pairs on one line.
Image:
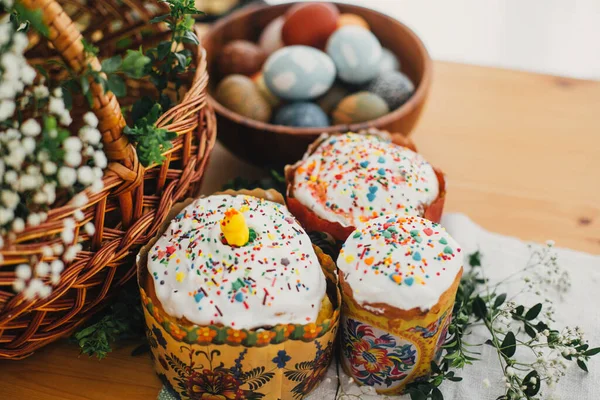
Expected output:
{"points": [[299, 73], [389, 61], [356, 53], [304, 114]]}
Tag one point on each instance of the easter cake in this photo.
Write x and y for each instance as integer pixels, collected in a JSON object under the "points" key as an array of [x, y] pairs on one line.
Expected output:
{"points": [[236, 298], [399, 276], [345, 180]]}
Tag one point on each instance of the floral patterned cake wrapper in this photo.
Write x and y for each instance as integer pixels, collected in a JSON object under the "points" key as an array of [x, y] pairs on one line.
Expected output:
{"points": [[218, 362], [388, 348]]}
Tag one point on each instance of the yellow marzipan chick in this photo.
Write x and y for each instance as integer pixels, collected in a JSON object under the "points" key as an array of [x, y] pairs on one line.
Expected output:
{"points": [[234, 228]]}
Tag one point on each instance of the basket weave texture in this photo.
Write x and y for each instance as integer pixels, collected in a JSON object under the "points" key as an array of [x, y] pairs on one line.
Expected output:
{"points": [[135, 200]]}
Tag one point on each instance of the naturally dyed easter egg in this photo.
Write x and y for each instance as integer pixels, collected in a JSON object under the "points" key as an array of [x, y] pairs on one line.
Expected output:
{"points": [[299, 73], [241, 57], [270, 38], [239, 94], [389, 61], [329, 101], [392, 86], [305, 114], [259, 81], [352, 19], [310, 24], [355, 52], [359, 107]]}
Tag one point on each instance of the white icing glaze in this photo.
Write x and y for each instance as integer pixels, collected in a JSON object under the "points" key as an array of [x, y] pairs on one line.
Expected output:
{"points": [[352, 178], [275, 279], [400, 260]]}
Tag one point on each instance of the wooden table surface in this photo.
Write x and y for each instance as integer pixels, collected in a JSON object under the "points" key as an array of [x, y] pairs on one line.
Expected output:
{"points": [[521, 152]]}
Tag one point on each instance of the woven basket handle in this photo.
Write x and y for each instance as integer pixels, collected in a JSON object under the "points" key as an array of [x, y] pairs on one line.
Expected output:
{"points": [[66, 38]]}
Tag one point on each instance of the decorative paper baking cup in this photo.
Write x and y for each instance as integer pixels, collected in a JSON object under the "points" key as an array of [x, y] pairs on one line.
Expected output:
{"points": [[388, 348], [218, 362], [312, 222]]}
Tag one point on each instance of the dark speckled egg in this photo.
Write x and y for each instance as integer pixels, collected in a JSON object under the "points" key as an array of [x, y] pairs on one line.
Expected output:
{"points": [[392, 86], [239, 94], [359, 107], [309, 24], [304, 114], [241, 57]]}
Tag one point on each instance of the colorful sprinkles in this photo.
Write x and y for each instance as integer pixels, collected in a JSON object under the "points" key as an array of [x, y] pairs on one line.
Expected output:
{"points": [[352, 178], [400, 260], [200, 277]]}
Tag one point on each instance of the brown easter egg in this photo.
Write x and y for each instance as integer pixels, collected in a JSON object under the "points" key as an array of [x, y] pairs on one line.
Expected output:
{"points": [[359, 107], [241, 57], [239, 94]]}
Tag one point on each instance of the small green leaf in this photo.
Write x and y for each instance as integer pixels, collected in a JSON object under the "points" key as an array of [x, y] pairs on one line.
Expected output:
{"points": [[190, 37], [436, 394], [475, 259], [112, 64], [582, 365], [530, 331], [116, 85], [32, 17], [592, 352], [417, 395], [135, 63], [479, 308], [85, 84], [163, 49], [500, 299], [160, 18], [182, 59], [509, 345], [533, 312]]}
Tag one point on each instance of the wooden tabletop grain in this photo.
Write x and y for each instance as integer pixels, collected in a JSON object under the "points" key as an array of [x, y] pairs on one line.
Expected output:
{"points": [[522, 155]]}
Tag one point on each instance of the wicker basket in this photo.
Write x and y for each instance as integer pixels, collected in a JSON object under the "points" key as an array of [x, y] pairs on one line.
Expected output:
{"points": [[135, 200]]}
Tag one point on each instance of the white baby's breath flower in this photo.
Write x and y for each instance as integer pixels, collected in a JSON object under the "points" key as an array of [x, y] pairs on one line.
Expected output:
{"points": [[33, 219], [10, 199], [23, 271], [18, 285], [40, 92], [16, 157], [56, 267], [45, 291], [6, 215], [47, 251], [69, 223], [58, 249], [90, 119], [100, 159], [78, 215], [80, 200], [7, 109], [89, 228], [43, 156], [42, 269], [31, 127], [49, 168], [73, 158], [18, 225], [85, 175], [67, 235], [58, 93], [49, 190], [66, 176], [90, 135], [71, 252], [486, 383], [55, 279], [27, 74], [65, 119], [28, 145], [56, 105], [97, 186], [19, 42], [72, 143]]}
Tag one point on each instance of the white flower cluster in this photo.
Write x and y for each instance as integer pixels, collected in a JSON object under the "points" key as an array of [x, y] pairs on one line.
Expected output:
{"points": [[41, 163]]}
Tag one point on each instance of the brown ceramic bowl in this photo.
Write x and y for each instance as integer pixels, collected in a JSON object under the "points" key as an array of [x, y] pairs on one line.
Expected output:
{"points": [[276, 145]]}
